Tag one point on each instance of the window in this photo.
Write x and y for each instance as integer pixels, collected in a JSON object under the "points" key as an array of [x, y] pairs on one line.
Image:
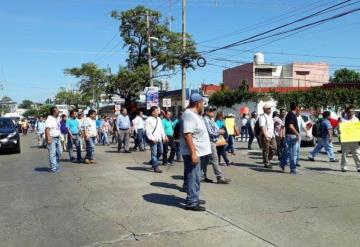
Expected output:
{"points": [[263, 72], [302, 72]]}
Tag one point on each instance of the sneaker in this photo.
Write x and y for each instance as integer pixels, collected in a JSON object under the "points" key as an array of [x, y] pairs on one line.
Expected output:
{"points": [[223, 181], [92, 162], [333, 161], [344, 169], [282, 167], [311, 158], [195, 208], [87, 161], [269, 166]]}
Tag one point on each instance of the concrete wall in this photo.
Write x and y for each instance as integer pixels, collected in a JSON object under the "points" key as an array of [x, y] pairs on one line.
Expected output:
{"points": [[318, 74], [233, 77]]}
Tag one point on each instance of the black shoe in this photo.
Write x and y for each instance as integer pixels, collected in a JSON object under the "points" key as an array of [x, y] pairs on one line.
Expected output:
{"points": [[298, 165], [195, 208], [223, 181], [311, 158], [334, 160], [128, 152], [207, 180], [202, 202], [269, 166]]}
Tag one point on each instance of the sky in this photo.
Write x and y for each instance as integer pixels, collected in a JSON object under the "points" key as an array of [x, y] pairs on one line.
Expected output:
{"points": [[40, 38]]}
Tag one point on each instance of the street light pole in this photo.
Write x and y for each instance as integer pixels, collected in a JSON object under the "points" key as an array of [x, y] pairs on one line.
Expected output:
{"points": [[183, 68], [149, 48]]}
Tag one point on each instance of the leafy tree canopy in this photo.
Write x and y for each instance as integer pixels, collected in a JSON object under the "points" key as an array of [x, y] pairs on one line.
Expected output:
{"points": [[26, 104], [345, 76]]}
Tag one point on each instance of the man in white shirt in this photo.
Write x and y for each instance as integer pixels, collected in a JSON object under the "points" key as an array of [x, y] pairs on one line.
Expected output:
{"points": [[267, 136], [352, 147], [139, 128], [195, 147], [52, 134], [90, 135], [156, 135]]}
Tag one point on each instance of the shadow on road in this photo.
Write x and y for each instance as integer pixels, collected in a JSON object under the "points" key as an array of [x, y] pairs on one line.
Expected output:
{"points": [[258, 169], [259, 153], [166, 185], [178, 177], [42, 169], [168, 200], [111, 151], [245, 165], [139, 169], [319, 169]]}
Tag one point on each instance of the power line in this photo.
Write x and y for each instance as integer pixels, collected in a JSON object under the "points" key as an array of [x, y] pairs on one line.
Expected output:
{"points": [[251, 39]]}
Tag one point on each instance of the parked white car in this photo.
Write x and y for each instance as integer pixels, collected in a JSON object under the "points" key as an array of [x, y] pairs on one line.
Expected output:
{"points": [[307, 139]]}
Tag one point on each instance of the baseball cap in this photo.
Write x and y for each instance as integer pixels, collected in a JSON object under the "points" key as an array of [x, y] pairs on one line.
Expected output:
{"points": [[210, 109], [195, 97]]}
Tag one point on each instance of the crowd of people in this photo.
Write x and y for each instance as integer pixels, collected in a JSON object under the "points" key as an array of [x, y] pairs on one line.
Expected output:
{"points": [[198, 137]]}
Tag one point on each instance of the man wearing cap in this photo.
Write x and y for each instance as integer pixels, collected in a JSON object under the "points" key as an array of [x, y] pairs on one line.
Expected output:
{"points": [[214, 133], [279, 129], [195, 147], [267, 136]]}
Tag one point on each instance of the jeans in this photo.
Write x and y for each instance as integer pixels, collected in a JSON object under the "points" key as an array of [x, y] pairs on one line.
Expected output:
{"points": [[297, 153], [139, 139], [90, 148], [327, 145], [156, 152], [77, 142], [41, 139], [244, 133], [221, 152], [280, 142], [230, 146], [177, 152], [124, 137], [104, 137], [192, 176], [289, 152], [172, 146], [211, 158], [54, 153]]}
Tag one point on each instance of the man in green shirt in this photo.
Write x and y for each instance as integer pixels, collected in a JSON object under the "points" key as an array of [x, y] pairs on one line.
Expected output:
{"points": [[169, 132]]}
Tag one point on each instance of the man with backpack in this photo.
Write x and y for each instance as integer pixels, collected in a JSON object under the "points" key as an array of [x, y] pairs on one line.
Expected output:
{"points": [[267, 136], [323, 131]]}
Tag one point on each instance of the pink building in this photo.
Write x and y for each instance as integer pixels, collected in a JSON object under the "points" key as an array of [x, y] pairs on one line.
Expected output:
{"points": [[263, 77]]}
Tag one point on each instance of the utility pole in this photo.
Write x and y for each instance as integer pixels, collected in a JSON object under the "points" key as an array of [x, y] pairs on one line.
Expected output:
{"points": [[183, 68], [149, 48]]}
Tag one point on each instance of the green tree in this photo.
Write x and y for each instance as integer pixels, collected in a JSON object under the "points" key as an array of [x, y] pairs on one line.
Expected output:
{"points": [[43, 111], [5, 104], [166, 50], [345, 76], [71, 98], [92, 81], [26, 104]]}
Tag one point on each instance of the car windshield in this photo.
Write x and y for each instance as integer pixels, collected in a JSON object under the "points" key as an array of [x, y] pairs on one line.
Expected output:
{"points": [[305, 118], [6, 123]]}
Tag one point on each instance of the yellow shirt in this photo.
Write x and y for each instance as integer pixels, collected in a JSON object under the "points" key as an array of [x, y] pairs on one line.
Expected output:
{"points": [[230, 125]]}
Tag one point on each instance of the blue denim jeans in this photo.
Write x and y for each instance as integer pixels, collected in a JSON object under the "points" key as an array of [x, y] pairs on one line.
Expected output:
{"points": [[192, 176], [156, 152], [104, 138], [54, 153], [230, 146], [77, 142], [298, 151], [139, 139], [289, 152], [323, 143], [90, 148]]}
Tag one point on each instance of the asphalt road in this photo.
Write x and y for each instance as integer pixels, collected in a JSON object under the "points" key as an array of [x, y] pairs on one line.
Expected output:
{"points": [[118, 202]]}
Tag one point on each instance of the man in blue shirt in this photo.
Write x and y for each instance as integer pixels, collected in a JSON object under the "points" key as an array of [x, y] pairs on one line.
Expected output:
{"points": [[325, 141], [123, 128], [73, 127]]}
